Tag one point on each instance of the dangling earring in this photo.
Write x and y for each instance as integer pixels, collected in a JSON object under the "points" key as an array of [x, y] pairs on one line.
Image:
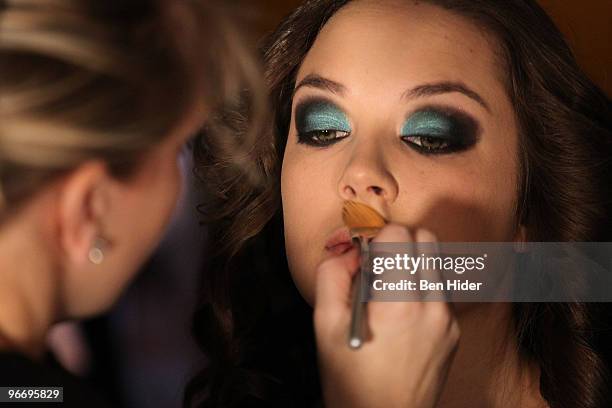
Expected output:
{"points": [[96, 252]]}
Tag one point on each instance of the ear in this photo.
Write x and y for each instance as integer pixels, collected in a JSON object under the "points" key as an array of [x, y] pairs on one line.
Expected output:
{"points": [[82, 207]]}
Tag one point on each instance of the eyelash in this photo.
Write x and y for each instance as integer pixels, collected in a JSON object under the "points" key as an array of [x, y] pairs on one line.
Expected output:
{"points": [[448, 146], [313, 138]]}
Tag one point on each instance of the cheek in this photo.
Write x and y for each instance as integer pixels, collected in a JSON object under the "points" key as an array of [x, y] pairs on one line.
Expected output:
{"points": [[306, 200], [294, 225], [467, 201], [463, 212], [164, 194], [298, 193], [154, 203]]}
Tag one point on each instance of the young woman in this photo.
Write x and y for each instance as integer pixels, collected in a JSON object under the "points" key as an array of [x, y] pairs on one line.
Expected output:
{"points": [[97, 100], [470, 119]]}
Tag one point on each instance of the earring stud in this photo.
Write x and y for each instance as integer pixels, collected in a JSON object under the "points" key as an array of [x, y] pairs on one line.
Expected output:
{"points": [[96, 252]]}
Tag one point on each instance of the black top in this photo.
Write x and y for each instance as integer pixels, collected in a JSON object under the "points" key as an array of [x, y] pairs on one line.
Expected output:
{"points": [[19, 371]]}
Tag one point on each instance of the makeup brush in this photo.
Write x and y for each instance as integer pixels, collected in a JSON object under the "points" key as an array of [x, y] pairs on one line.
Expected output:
{"points": [[363, 223]]}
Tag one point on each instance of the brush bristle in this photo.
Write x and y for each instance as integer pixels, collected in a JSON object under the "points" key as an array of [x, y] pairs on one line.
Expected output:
{"points": [[358, 215]]}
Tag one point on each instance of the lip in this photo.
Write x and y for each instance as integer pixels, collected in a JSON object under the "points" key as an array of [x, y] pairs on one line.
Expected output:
{"points": [[339, 241]]}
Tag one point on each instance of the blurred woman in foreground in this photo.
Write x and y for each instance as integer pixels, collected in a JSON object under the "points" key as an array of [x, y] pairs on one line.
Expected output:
{"points": [[97, 99]]}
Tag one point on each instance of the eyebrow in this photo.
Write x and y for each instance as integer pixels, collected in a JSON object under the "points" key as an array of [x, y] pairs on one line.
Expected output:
{"points": [[442, 88], [437, 88], [318, 82]]}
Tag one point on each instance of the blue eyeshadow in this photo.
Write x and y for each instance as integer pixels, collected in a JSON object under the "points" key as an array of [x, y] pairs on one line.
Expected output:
{"points": [[429, 123], [320, 115]]}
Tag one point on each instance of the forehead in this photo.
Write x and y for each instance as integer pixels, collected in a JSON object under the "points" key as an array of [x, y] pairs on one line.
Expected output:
{"points": [[389, 46]]}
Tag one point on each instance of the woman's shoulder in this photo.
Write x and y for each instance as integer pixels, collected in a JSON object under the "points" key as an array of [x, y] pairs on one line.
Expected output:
{"points": [[17, 370]]}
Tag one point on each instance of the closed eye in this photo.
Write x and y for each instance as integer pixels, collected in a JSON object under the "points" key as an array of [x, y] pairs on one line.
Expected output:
{"points": [[322, 138], [429, 144], [320, 122], [439, 130]]}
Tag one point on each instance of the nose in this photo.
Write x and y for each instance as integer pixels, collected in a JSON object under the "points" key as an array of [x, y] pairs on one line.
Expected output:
{"points": [[367, 178]]}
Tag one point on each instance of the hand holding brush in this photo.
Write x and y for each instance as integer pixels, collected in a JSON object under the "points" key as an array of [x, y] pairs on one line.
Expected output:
{"points": [[405, 361]]}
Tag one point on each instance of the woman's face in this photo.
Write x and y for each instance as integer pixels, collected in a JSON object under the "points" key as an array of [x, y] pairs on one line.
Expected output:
{"points": [[401, 106]]}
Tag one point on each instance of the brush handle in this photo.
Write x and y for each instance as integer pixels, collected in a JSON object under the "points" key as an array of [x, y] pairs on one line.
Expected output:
{"points": [[356, 332]]}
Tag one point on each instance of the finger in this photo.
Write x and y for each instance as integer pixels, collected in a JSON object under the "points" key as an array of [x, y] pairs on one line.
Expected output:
{"points": [[382, 312], [333, 288], [393, 233], [427, 244]]}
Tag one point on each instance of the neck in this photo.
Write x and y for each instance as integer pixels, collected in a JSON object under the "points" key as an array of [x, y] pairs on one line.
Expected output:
{"points": [[28, 284], [487, 369]]}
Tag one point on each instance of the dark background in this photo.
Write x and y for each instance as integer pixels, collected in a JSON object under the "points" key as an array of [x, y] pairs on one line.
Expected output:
{"points": [[587, 25]]}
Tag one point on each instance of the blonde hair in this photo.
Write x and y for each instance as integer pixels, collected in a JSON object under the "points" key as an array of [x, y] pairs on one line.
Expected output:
{"points": [[107, 80]]}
